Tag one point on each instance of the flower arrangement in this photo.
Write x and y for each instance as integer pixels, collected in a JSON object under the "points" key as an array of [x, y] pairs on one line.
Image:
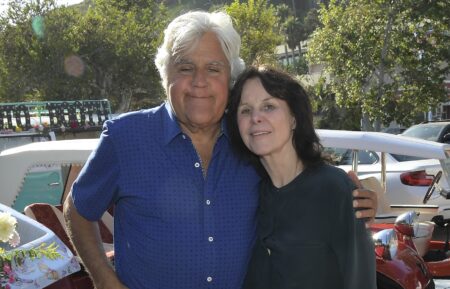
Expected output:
{"points": [[8, 234]]}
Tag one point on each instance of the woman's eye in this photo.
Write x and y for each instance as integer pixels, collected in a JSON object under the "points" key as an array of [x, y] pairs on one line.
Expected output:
{"points": [[244, 111], [269, 107]]}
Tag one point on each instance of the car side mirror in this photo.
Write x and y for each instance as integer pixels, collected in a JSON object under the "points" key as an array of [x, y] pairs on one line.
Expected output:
{"points": [[405, 223], [386, 243], [446, 138]]}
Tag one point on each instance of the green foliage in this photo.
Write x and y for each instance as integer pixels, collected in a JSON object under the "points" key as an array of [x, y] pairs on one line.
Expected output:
{"points": [[43, 250], [257, 22], [328, 114], [388, 57], [299, 67], [62, 53]]}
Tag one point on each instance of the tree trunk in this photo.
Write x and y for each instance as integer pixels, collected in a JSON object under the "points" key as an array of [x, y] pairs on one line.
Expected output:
{"points": [[293, 57], [293, 8], [377, 125], [286, 54], [124, 101], [366, 124]]}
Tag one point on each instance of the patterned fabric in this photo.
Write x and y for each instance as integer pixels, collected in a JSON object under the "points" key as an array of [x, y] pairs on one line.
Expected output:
{"points": [[173, 227]]}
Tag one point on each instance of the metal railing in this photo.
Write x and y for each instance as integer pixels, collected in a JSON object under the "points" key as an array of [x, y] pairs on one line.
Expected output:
{"points": [[54, 115]]}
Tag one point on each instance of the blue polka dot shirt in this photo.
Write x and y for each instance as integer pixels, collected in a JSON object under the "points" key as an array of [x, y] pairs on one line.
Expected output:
{"points": [[173, 228]]}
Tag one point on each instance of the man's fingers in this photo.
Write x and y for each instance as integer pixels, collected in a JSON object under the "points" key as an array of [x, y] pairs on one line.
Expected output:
{"points": [[364, 193], [355, 179], [363, 203], [367, 215]]}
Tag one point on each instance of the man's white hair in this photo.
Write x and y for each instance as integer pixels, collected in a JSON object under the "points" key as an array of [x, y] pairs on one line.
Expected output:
{"points": [[184, 31]]}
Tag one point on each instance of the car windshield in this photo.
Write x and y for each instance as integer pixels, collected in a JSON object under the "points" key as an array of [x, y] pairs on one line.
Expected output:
{"points": [[11, 140], [426, 132], [403, 158], [345, 157]]}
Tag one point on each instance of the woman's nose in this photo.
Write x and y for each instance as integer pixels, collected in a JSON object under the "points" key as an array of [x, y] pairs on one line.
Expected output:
{"points": [[256, 116]]}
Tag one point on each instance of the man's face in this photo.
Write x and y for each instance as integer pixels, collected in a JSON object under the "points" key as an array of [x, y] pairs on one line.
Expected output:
{"points": [[198, 84]]}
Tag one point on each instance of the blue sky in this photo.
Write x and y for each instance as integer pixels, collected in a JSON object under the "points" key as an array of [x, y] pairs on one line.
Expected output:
{"points": [[3, 3]]}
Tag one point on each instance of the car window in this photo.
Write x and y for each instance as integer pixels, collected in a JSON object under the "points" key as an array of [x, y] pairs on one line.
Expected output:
{"points": [[426, 132], [11, 140], [364, 158], [345, 156], [403, 158]]}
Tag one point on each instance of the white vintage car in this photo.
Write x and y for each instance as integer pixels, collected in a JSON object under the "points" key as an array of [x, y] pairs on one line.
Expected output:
{"points": [[15, 163], [49, 163], [70, 154], [434, 158], [32, 180]]}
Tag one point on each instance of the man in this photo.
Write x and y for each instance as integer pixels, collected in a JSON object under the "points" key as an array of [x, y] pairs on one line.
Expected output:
{"points": [[184, 203]]}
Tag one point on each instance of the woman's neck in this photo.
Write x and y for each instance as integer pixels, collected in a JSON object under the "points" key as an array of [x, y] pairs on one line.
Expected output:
{"points": [[282, 169]]}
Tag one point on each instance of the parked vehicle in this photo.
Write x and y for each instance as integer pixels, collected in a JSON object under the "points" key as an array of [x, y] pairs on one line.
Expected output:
{"points": [[394, 130], [404, 268], [400, 245], [16, 163], [432, 130], [397, 244], [407, 176]]}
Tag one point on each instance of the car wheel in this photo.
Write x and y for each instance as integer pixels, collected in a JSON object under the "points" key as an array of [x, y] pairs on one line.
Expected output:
{"points": [[384, 282], [432, 187], [431, 285]]}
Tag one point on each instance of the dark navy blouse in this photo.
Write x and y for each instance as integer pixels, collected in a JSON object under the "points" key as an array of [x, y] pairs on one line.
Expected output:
{"points": [[173, 227], [309, 238]]}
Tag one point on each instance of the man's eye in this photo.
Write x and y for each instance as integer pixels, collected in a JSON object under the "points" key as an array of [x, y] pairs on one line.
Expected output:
{"points": [[214, 69], [185, 69]]}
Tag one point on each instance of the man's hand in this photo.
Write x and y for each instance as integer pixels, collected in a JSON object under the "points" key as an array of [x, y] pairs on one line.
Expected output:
{"points": [[367, 200]]}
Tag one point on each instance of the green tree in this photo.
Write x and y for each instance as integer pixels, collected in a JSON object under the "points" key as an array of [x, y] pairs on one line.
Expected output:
{"points": [[328, 114], [257, 22], [22, 31], [62, 53], [388, 57]]}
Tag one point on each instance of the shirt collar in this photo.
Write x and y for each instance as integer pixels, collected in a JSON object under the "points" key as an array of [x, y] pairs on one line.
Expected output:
{"points": [[170, 124], [172, 127]]}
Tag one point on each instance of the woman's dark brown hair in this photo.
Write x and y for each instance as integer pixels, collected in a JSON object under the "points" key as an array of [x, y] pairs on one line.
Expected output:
{"points": [[283, 86]]}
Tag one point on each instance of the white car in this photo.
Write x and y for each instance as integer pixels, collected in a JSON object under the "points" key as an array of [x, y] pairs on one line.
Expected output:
{"points": [[410, 163], [408, 178]]}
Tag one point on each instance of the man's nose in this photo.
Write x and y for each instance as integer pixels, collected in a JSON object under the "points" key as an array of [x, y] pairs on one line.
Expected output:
{"points": [[199, 78]]}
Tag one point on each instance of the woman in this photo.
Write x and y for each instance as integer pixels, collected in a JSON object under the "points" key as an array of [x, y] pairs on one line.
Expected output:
{"points": [[308, 236]]}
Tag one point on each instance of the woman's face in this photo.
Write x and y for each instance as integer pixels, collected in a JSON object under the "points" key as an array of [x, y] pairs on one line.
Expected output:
{"points": [[265, 123]]}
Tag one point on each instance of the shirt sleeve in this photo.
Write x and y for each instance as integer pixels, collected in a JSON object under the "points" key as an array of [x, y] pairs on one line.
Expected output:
{"points": [[354, 245], [94, 189]]}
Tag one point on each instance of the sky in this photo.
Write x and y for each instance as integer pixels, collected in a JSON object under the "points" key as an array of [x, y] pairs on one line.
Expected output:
{"points": [[4, 3]]}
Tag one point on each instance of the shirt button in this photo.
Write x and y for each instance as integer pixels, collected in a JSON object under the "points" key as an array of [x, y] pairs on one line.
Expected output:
{"points": [[197, 165], [210, 239], [209, 279], [184, 137], [208, 202], [268, 251]]}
